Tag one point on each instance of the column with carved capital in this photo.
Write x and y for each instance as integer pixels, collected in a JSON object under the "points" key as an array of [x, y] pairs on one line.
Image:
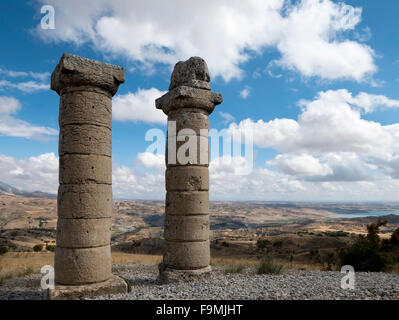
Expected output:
{"points": [[83, 254], [188, 105]]}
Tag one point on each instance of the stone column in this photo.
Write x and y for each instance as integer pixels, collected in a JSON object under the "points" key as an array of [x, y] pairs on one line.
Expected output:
{"points": [[83, 253], [188, 105]]}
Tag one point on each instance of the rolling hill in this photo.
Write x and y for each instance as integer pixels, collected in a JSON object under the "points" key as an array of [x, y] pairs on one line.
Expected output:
{"points": [[6, 189]]}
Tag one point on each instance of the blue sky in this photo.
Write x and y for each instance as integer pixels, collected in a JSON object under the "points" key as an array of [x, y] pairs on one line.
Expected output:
{"points": [[316, 81]]}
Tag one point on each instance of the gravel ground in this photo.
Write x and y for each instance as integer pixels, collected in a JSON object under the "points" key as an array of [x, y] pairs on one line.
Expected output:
{"points": [[309, 285]]}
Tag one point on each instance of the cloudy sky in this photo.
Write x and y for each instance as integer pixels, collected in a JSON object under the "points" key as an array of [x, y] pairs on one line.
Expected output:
{"points": [[316, 81]]}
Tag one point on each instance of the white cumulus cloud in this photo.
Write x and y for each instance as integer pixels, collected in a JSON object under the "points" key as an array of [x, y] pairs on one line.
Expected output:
{"points": [[151, 160], [14, 127], [332, 122], [244, 93], [41, 76], [38, 173], [330, 140], [300, 165], [226, 116], [312, 36], [26, 86], [138, 106], [38, 81]]}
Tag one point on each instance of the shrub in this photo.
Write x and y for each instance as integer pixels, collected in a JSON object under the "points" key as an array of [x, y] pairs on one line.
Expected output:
{"points": [[38, 247], [315, 255], [395, 240], [235, 268], [373, 230], [4, 250], [269, 266], [329, 259], [314, 252], [365, 256], [50, 247], [369, 253], [262, 243], [225, 244], [278, 244]]}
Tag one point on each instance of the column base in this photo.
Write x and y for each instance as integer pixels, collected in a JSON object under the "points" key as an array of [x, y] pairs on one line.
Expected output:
{"points": [[64, 292], [170, 275]]}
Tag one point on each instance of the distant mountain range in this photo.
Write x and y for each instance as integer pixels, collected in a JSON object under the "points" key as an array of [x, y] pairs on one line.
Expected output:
{"points": [[6, 189]]}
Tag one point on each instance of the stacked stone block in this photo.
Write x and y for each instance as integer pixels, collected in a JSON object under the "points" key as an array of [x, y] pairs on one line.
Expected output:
{"points": [[86, 87], [188, 105]]}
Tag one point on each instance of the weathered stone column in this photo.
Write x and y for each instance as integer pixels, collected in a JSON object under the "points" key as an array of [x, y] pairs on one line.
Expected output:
{"points": [[188, 104], [83, 252]]}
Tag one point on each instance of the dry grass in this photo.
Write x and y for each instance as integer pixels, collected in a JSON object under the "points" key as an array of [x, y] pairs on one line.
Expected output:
{"points": [[269, 265], [395, 268], [15, 274], [233, 265], [253, 262], [235, 268], [17, 261], [19, 264]]}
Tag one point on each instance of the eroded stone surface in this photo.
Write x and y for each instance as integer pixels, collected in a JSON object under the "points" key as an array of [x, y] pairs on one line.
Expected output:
{"points": [[187, 255], [82, 266], [198, 121], [75, 71], [187, 178], [169, 275], [187, 228], [113, 285], [85, 139], [188, 97], [83, 254], [84, 201], [82, 168], [85, 107], [188, 104], [187, 202], [83, 233], [192, 73]]}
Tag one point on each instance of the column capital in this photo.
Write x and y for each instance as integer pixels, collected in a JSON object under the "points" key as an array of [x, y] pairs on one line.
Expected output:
{"points": [[188, 97], [75, 71], [189, 88]]}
